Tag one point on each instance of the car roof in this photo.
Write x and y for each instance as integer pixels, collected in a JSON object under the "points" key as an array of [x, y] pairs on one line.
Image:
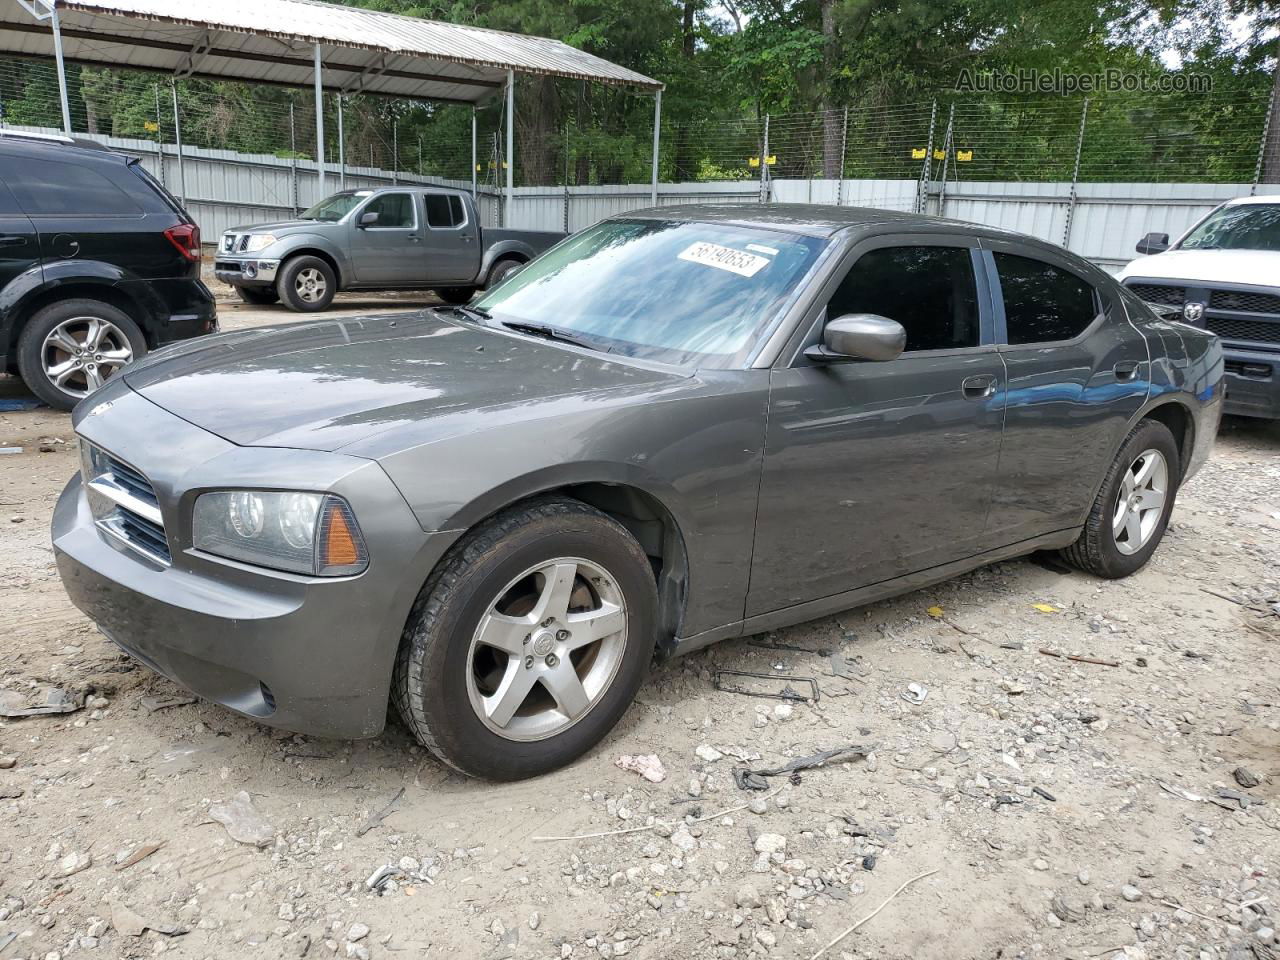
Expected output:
{"points": [[58, 147], [1242, 201]]}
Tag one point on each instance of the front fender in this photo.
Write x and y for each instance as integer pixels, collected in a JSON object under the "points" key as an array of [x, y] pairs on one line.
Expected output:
{"points": [[293, 244]]}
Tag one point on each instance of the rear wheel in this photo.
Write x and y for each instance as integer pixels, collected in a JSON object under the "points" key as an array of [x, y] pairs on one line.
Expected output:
{"points": [[307, 284], [1132, 509], [528, 642], [455, 294], [69, 349], [258, 296], [501, 270]]}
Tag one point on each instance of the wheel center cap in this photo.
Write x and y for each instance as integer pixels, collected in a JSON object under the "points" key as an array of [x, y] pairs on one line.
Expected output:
{"points": [[543, 643]]}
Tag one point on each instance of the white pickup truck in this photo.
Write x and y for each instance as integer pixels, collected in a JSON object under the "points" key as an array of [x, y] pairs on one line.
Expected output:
{"points": [[1224, 275]]}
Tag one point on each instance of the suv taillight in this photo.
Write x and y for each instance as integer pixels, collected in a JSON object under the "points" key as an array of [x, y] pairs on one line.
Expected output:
{"points": [[186, 237]]}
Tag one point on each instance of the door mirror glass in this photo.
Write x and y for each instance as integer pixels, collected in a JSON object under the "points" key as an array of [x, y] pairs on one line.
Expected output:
{"points": [[865, 336], [1153, 243], [368, 218]]}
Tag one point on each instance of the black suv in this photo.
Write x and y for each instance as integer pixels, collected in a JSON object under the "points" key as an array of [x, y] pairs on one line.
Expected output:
{"points": [[98, 265]]}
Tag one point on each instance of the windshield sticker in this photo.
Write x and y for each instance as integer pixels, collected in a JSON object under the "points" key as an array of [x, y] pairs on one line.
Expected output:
{"points": [[761, 248], [724, 258]]}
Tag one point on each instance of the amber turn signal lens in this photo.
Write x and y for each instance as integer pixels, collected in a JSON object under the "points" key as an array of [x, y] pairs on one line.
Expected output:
{"points": [[339, 548]]}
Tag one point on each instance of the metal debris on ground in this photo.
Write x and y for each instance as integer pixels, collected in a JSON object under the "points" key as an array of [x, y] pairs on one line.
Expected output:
{"points": [[56, 700], [377, 818], [382, 876], [243, 822], [786, 693], [845, 668], [1068, 656], [9, 451], [748, 779], [915, 693], [139, 855], [152, 704], [1042, 792]]}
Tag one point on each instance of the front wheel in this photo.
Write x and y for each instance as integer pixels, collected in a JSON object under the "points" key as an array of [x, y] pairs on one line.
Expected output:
{"points": [[528, 642], [307, 284], [70, 348], [1132, 509]]}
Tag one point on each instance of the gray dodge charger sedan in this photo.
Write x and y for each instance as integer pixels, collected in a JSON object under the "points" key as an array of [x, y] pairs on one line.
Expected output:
{"points": [[675, 427]]}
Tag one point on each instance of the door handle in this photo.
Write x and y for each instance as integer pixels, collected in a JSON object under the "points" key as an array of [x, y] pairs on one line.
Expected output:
{"points": [[1126, 369], [979, 388], [8, 240]]}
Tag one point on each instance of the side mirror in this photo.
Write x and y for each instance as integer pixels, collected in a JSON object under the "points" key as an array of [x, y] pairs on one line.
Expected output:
{"points": [[863, 336], [368, 219], [1153, 243]]}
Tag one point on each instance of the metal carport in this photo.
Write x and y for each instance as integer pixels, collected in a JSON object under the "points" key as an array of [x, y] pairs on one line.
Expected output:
{"points": [[300, 42]]}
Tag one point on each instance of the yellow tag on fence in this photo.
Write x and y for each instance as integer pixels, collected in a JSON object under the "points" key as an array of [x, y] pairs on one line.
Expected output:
{"points": [[964, 156], [918, 153]]}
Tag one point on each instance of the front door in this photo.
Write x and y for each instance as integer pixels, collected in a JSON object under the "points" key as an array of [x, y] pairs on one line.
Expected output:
{"points": [[390, 250], [19, 243], [872, 469]]}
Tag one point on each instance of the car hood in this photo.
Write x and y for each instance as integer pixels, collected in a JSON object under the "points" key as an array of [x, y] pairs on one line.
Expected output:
{"points": [[1249, 267], [279, 226], [328, 384]]}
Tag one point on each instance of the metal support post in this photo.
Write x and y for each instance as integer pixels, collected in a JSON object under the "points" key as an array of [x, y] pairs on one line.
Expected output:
{"points": [[657, 128], [511, 148], [1075, 175], [926, 168], [342, 149], [1262, 144], [764, 162], [475, 174], [946, 161], [319, 124], [177, 139], [62, 69], [844, 141]]}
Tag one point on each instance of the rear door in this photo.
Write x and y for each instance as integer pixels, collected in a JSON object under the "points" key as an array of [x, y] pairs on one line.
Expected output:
{"points": [[1078, 372], [19, 242], [452, 239], [874, 470], [389, 251]]}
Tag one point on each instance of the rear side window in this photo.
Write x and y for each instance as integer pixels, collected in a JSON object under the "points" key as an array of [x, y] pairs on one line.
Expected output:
{"points": [[443, 210], [929, 290], [393, 210], [1043, 303], [51, 188]]}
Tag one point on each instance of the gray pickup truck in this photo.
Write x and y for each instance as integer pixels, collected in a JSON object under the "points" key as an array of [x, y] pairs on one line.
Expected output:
{"points": [[391, 238]]}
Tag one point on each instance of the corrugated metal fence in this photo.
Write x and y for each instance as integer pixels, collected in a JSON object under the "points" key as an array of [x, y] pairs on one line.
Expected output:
{"points": [[1101, 221]]}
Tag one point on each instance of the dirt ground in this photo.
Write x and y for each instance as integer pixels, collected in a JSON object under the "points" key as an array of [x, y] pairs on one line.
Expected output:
{"points": [[1061, 808]]}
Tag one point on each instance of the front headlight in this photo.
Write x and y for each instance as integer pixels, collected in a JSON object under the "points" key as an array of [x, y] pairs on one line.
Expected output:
{"points": [[259, 241], [311, 533]]}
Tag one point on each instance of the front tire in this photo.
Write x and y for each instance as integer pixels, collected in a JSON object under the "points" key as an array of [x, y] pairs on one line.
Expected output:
{"points": [[70, 348], [258, 296], [528, 642], [307, 284], [1131, 511]]}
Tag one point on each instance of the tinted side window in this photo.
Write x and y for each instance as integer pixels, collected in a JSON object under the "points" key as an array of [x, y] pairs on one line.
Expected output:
{"points": [[393, 210], [929, 290], [51, 188], [1041, 302], [439, 211], [455, 204]]}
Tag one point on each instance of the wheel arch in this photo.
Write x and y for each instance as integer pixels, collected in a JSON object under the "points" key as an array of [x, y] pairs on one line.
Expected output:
{"points": [[1175, 414], [516, 254], [73, 288], [643, 512], [320, 254]]}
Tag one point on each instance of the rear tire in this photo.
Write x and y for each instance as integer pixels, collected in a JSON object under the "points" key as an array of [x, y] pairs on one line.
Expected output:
{"points": [[69, 348], [258, 296], [1131, 511], [500, 270], [451, 684], [457, 295], [306, 284]]}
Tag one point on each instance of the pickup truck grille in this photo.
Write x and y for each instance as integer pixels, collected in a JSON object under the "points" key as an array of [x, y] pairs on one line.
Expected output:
{"points": [[1155, 293], [1240, 300], [1256, 331], [124, 503], [1240, 316]]}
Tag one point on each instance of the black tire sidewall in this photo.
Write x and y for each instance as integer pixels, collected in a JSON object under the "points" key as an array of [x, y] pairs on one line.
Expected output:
{"points": [[500, 271], [1150, 435], [455, 295], [459, 734], [258, 296], [31, 343], [288, 275]]}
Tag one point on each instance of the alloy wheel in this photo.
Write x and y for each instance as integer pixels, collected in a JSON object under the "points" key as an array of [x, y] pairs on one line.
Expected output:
{"points": [[1140, 502], [310, 285], [546, 649], [81, 353]]}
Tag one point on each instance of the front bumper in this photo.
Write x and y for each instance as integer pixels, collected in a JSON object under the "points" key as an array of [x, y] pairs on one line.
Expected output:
{"points": [[308, 654], [1253, 382], [246, 271]]}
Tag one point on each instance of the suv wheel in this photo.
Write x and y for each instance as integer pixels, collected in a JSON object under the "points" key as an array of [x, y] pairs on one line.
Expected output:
{"points": [[307, 284], [258, 296], [1132, 509], [69, 349], [528, 642]]}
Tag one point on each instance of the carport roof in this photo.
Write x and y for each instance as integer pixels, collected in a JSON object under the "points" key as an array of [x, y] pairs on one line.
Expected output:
{"points": [[272, 41]]}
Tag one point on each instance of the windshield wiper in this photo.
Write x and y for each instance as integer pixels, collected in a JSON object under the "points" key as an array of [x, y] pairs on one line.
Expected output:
{"points": [[551, 333]]}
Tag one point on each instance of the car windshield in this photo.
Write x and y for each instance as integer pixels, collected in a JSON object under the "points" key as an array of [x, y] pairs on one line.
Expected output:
{"points": [[332, 209], [1245, 226], [680, 292]]}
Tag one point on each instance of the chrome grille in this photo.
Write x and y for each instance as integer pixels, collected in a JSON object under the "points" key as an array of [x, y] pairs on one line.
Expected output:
{"points": [[1158, 293], [124, 503], [1256, 331], [1242, 300]]}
